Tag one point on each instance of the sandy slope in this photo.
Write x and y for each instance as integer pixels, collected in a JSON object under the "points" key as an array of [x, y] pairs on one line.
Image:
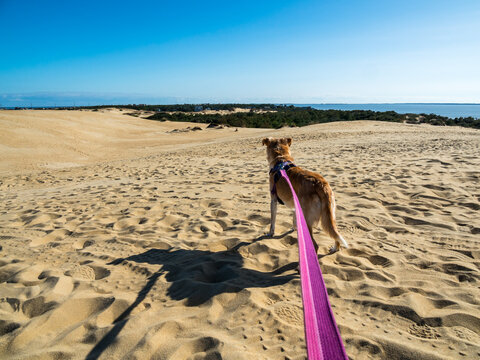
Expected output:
{"points": [[154, 250], [58, 139]]}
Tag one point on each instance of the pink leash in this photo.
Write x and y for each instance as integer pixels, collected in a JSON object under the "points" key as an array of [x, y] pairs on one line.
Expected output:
{"points": [[321, 332]]}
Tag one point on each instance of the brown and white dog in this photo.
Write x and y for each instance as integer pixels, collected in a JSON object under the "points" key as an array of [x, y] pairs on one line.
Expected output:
{"points": [[313, 191]]}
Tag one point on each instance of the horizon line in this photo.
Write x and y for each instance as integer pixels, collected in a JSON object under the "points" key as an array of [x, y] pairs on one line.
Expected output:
{"points": [[242, 103]]}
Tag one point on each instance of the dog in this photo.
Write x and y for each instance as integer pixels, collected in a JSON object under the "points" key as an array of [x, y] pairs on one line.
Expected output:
{"points": [[313, 191]]}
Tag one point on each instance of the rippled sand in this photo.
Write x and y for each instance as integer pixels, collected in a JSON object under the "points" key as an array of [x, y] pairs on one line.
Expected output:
{"points": [[120, 238]]}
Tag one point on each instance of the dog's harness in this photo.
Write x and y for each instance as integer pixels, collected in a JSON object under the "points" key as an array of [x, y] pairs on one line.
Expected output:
{"points": [[285, 165]]}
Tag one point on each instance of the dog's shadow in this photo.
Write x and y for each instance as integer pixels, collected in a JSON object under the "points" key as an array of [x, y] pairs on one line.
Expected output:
{"points": [[199, 275], [196, 276]]}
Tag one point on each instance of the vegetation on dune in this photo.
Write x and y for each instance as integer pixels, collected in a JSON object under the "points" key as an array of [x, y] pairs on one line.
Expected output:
{"points": [[302, 116]]}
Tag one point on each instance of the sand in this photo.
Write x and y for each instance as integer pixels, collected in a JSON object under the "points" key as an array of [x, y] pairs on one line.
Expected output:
{"points": [[122, 239]]}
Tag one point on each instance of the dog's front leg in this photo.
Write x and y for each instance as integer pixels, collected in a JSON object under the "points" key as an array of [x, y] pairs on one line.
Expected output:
{"points": [[294, 215], [273, 215]]}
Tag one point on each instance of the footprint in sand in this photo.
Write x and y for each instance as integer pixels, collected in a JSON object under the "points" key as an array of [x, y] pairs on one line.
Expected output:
{"points": [[37, 306], [8, 327], [423, 331], [88, 272], [205, 345], [289, 313], [82, 244]]}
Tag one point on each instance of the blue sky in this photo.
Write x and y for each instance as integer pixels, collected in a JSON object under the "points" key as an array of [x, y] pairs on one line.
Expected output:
{"points": [[244, 51]]}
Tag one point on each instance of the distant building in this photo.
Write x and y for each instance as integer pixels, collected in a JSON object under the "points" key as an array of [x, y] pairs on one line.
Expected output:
{"points": [[198, 108]]}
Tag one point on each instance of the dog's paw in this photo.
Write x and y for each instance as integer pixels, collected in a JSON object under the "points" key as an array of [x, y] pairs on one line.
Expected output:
{"points": [[269, 235], [333, 249]]}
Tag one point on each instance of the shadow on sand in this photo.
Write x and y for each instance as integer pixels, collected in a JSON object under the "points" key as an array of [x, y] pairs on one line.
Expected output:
{"points": [[197, 276]]}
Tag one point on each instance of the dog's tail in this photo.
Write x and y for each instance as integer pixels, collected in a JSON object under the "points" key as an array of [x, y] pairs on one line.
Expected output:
{"points": [[329, 224]]}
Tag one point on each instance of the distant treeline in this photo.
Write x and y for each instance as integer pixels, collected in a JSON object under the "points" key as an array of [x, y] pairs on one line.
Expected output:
{"points": [[183, 107], [302, 116]]}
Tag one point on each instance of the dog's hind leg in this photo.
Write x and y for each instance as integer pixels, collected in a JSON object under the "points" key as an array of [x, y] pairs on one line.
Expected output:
{"points": [[315, 245]]}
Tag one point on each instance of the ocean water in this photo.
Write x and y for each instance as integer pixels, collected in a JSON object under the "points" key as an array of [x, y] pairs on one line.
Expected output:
{"points": [[449, 110]]}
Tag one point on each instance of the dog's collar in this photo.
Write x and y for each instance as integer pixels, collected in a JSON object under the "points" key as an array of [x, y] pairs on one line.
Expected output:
{"points": [[284, 165]]}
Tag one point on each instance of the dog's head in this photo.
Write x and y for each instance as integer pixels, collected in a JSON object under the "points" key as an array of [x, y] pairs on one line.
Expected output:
{"points": [[277, 148]]}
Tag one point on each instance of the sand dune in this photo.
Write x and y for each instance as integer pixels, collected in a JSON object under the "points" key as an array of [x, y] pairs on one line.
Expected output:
{"points": [[35, 139], [120, 239]]}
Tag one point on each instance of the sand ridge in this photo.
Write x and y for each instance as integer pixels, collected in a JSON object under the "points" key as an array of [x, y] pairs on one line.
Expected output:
{"points": [[161, 255]]}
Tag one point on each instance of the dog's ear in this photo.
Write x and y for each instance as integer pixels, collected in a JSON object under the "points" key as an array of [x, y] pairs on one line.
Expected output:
{"points": [[287, 141], [266, 141]]}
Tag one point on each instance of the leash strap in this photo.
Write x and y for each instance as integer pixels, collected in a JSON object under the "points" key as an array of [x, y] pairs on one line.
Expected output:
{"points": [[321, 332]]}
